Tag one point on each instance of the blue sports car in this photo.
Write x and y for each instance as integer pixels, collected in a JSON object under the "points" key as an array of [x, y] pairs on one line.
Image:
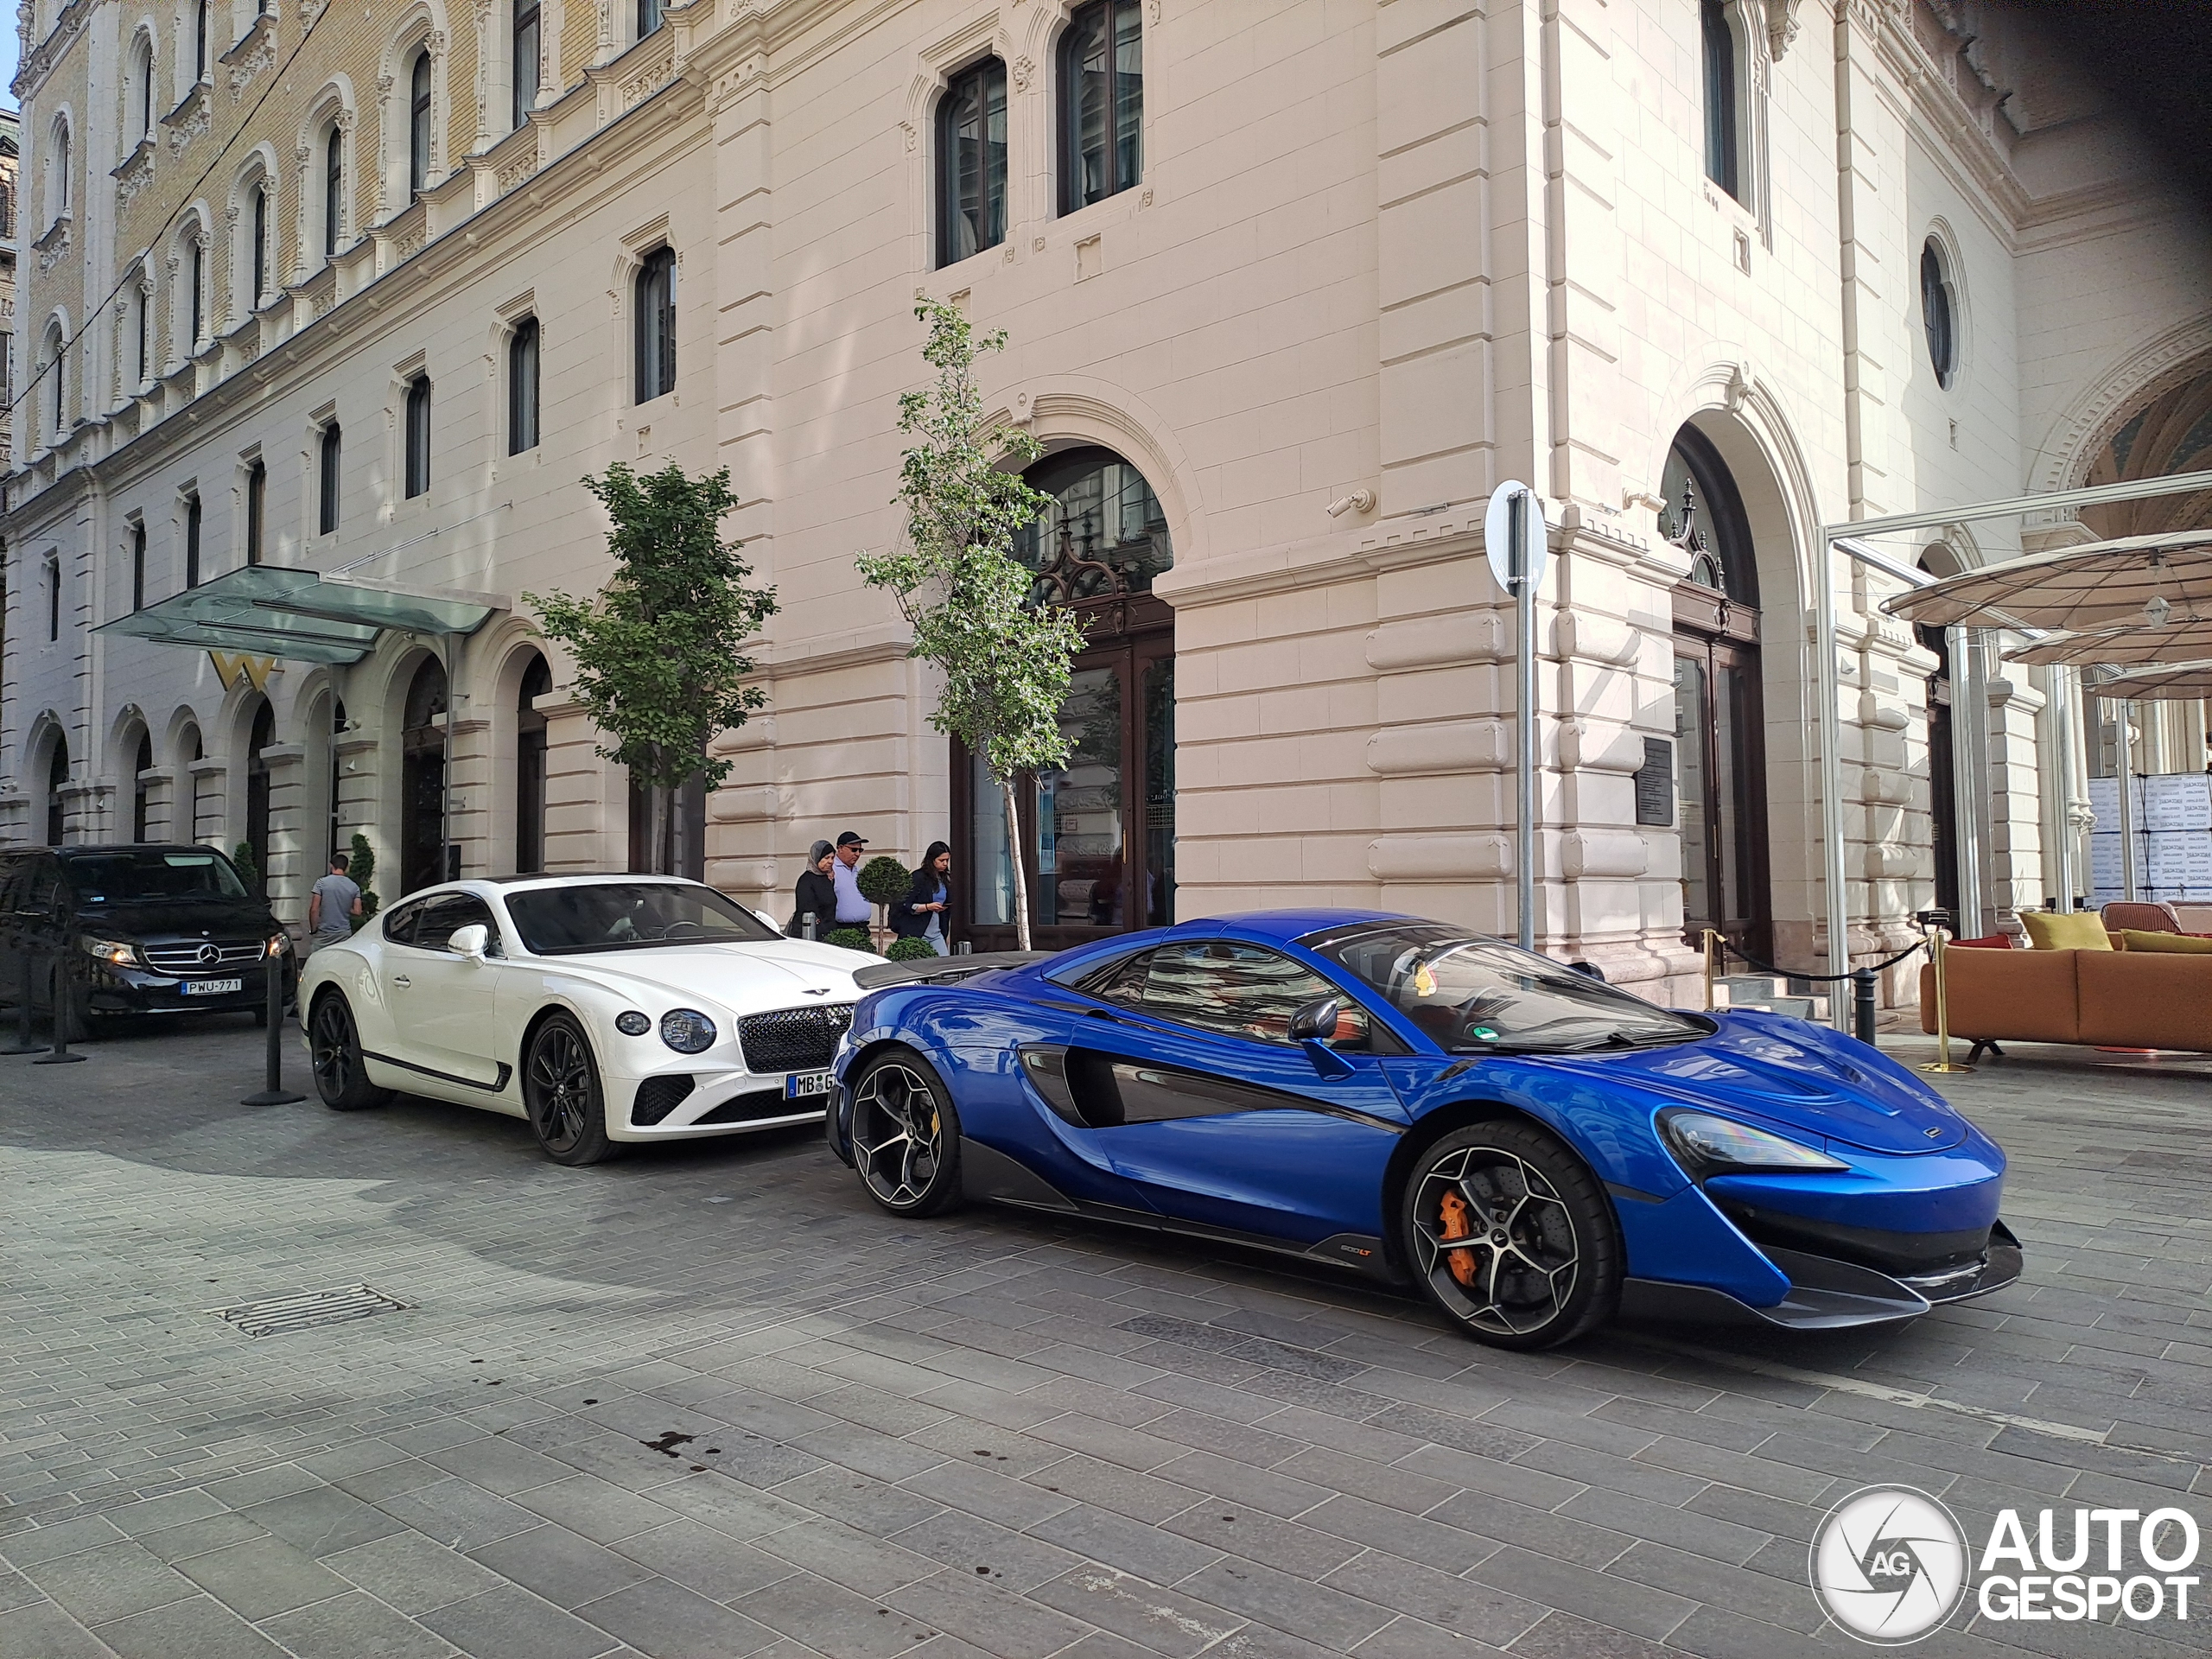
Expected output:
{"points": [[1533, 1147]]}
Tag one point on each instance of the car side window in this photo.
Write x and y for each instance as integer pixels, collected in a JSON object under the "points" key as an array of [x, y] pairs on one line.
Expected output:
{"points": [[1121, 983], [399, 923], [1242, 990], [443, 916]]}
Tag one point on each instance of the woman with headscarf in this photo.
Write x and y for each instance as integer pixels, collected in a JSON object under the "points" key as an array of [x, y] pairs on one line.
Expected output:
{"points": [[816, 894], [921, 914]]}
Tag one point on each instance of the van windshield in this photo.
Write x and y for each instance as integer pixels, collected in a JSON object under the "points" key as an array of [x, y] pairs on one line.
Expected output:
{"points": [[144, 878]]}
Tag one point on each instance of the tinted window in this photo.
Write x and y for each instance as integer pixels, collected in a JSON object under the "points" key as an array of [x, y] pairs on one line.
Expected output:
{"points": [[1239, 990], [630, 916], [1119, 981], [1476, 996], [444, 914], [399, 924], [150, 878]]}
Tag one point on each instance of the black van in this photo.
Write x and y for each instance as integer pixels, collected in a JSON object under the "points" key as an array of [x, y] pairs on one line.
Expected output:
{"points": [[144, 929]]}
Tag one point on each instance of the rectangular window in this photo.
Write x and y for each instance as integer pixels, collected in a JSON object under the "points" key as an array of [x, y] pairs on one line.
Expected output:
{"points": [[656, 304], [1101, 103], [522, 387], [199, 287], [260, 244], [1719, 42], [648, 14], [256, 497], [327, 494], [138, 566], [192, 541], [333, 187], [526, 66], [971, 163], [52, 599], [418, 436], [418, 125], [145, 307]]}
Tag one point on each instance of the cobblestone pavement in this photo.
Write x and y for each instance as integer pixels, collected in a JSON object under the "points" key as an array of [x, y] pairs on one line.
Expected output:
{"points": [[708, 1400]]}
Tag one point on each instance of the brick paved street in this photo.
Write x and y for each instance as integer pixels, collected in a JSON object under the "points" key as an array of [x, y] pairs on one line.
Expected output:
{"points": [[709, 1400]]}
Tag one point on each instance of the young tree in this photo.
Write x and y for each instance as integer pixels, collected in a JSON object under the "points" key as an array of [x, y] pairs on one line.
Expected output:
{"points": [[658, 663], [1004, 661]]}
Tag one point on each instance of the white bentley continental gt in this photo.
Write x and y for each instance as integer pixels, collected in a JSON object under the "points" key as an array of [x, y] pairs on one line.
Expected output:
{"points": [[600, 1009]]}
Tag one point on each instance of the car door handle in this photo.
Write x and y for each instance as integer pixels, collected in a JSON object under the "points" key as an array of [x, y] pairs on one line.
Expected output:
{"points": [[1100, 1014], [401, 980]]}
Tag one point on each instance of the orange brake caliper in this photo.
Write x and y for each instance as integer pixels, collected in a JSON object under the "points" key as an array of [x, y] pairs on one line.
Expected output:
{"points": [[1458, 1223]]}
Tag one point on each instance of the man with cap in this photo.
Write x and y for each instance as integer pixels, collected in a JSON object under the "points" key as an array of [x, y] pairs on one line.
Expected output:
{"points": [[853, 910]]}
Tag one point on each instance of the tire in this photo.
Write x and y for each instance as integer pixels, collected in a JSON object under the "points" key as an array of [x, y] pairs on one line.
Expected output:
{"points": [[905, 1136], [342, 1077], [561, 1090], [1543, 1263]]}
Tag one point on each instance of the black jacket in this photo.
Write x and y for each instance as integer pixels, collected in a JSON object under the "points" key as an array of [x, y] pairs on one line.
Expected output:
{"points": [[816, 894], [911, 924]]}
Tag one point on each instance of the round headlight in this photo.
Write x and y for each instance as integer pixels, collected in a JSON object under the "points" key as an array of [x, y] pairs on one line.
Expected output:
{"points": [[632, 1024], [687, 1030]]}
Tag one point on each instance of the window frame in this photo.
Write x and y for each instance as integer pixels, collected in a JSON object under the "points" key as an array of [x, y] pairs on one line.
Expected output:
{"points": [[1067, 126], [418, 125], [138, 564], [53, 598], [526, 360], [196, 286], [653, 297], [523, 92], [333, 187], [1721, 75], [649, 16], [329, 460], [257, 505], [980, 78], [258, 229], [194, 521], [1939, 312], [1351, 1006], [415, 437]]}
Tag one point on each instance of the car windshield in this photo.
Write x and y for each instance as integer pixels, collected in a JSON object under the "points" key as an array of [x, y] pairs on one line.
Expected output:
{"points": [[140, 878], [1475, 996], [629, 916]]}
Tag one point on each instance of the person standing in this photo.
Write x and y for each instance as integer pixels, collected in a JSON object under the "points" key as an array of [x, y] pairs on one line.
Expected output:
{"points": [[922, 912], [816, 895], [333, 905], [853, 907]]}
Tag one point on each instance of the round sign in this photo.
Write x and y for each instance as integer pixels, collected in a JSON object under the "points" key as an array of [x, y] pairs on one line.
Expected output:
{"points": [[1888, 1565], [1497, 535]]}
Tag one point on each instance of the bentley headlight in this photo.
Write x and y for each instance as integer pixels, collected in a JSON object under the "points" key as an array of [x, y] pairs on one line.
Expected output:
{"points": [[121, 952], [631, 1023], [1707, 1145], [687, 1030]]}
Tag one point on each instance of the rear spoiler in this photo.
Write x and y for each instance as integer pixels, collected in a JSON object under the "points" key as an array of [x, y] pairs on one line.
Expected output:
{"points": [[943, 970]]}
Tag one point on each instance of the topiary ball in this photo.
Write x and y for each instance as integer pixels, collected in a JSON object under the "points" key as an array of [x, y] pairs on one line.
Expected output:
{"points": [[910, 950], [851, 938], [884, 880]]}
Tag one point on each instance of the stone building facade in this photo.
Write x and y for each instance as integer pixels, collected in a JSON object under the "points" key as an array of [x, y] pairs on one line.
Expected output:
{"points": [[1290, 287]]}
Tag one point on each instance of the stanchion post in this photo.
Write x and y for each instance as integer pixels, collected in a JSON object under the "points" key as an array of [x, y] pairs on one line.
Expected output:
{"points": [[1862, 1003], [1941, 1066], [1710, 935], [273, 1092], [58, 1054], [22, 1044]]}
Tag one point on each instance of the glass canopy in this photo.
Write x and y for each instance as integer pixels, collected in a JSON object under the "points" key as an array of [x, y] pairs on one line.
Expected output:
{"points": [[267, 611]]}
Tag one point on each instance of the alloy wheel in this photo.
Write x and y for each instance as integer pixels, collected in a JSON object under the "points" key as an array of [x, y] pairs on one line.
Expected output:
{"points": [[330, 1053], [1496, 1241], [560, 1089], [897, 1135]]}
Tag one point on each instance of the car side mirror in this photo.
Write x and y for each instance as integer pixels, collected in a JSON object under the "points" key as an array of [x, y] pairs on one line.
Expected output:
{"points": [[1316, 1021], [473, 941]]}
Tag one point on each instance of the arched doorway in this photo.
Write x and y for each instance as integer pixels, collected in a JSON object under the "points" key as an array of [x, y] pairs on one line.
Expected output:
{"points": [[141, 762], [1719, 720], [57, 780], [423, 857], [1099, 834], [529, 768], [257, 789]]}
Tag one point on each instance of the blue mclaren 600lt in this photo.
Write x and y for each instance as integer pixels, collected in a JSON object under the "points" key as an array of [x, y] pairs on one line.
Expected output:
{"points": [[1533, 1148]]}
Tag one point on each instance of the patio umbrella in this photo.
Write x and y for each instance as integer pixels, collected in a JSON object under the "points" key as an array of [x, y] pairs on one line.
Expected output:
{"points": [[2093, 586], [2181, 683], [2140, 645]]}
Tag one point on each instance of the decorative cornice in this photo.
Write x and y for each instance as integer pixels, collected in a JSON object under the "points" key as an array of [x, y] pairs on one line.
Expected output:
{"points": [[1781, 26], [136, 173], [39, 61], [255, 51], [51, 247], [191, 118]]}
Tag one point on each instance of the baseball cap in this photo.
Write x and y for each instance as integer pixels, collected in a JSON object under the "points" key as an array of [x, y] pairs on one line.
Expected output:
{"points": [[851, 838]]}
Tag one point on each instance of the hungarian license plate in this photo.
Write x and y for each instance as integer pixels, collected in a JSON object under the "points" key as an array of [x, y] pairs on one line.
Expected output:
{"points": [[800, 1085], [212, 987]]}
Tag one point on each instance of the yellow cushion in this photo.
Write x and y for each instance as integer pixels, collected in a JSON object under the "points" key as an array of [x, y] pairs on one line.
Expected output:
{"points": [[2084, 929], [2178, 944]]}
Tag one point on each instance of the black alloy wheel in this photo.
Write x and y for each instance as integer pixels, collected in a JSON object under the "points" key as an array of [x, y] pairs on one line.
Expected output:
{"points": [[1512, 1236], [341, 1078], [560, 1087], [905, 1136]]}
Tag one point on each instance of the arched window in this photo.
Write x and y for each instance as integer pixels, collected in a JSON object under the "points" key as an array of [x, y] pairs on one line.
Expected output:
{"points": [[257, 501], [522, 387], [200, 43], [141, 762], [1705, 518], [327, 480], [1101, 102], [524, 63], [418, 126], [418, 435], [140, 92], [191, 540], [1103, 534], [141, 301], [529, 769], [649, 16], [333, 187], [53, 598], [260, 255], [1717, 41], [1936, 317], [195, 261], [656, 305], [971, 163], [138, 564], [58, 174], [57, 779], [423, 853], [57, 373]]}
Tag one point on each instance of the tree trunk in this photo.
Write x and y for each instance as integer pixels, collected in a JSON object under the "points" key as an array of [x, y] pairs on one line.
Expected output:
{"points": [[661, 822], [1014, 857]]}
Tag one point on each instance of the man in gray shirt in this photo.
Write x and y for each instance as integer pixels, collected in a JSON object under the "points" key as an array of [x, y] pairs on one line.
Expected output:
{"points": [[333, 905]]}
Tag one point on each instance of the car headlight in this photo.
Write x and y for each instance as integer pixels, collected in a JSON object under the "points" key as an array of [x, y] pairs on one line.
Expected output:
{"points": [[1707, 1145], [687, 1030], [122, 953], [631, 1023], [278, 944]]}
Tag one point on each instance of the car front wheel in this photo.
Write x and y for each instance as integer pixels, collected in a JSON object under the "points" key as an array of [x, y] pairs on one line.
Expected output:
{"points": [[561, 1089], [905, 1136], [1512, 1236], [334, 1057]]}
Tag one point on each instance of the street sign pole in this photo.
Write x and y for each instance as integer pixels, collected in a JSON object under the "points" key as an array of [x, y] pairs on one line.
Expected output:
{"points": [[1513, 534]]}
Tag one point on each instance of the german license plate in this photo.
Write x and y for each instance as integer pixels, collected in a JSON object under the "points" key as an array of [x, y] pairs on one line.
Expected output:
{"points": [[212, 987], [800, 1085]]}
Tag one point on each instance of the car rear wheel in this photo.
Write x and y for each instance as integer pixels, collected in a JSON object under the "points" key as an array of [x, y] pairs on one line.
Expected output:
{"points": [[341, 1078], [905, 1136], [560, 1087], [1512, 1236]]}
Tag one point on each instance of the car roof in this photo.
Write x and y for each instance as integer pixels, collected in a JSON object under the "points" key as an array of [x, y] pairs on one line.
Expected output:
{"points": [[1289, 924], [81, 847]]}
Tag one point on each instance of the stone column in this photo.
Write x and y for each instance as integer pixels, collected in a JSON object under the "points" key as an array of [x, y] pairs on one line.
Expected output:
{"points": [[290, 871]]}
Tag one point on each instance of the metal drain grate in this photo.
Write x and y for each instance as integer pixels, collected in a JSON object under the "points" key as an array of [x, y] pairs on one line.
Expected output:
{"points": [[278, 1314]]}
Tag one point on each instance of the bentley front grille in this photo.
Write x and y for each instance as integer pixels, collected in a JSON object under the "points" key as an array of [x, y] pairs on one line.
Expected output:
{"points": [[793, 1040]]}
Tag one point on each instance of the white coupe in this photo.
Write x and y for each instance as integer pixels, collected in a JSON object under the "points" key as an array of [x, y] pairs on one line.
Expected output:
{"points": [[602, 1008]]}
